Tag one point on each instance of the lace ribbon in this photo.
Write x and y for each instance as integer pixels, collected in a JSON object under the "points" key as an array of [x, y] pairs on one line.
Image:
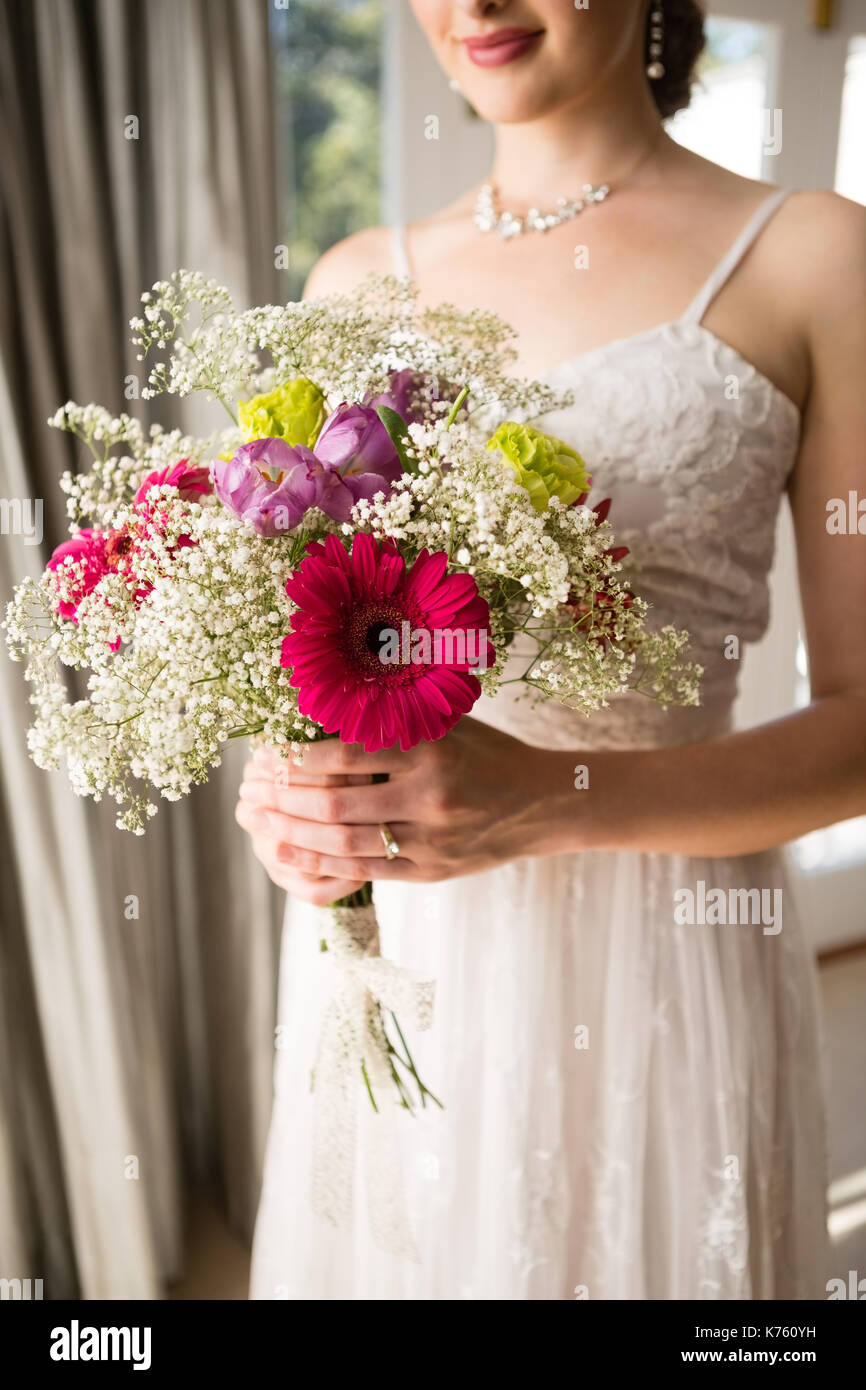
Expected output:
{"points": [[352, 1045]]}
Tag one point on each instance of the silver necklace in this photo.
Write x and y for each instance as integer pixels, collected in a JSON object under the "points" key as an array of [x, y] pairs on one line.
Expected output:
{"points": [[488, 218]]}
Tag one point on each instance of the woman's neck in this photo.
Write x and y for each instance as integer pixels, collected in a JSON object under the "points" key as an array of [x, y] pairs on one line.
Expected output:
{"points": [[608, 140]]}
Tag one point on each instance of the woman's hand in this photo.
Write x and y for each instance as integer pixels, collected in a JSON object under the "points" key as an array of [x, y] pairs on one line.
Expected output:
{"points": [[318, 889], [468, 802]]}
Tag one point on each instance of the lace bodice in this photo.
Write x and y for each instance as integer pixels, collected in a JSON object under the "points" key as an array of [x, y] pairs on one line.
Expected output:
{"points": [[694, 446]]}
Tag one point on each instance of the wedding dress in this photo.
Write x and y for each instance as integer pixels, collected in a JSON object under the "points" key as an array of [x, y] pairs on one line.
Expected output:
{"points": [[632, 1105]]}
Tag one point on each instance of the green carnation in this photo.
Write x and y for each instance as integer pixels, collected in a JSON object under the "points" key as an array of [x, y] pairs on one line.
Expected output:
{"points": [[294, 412], [544, 465]]}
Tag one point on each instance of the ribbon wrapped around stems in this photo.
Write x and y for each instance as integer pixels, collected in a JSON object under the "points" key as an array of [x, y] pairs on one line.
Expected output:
{"points": [[357, 1062]]}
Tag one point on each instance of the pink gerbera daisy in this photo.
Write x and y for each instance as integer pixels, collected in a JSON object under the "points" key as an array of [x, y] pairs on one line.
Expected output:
{"points": [[346, 603]]}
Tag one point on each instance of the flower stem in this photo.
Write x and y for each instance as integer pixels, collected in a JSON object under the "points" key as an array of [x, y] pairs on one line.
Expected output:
{"points": [[452, 416], [362, 897], [413, 1070], [369, 1088]]}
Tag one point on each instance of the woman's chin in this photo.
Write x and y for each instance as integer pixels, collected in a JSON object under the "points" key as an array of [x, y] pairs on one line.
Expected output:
{"points": [[511, 105]]}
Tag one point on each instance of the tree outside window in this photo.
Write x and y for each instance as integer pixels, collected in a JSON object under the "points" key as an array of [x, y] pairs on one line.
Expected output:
{"points": [[329, 109]]}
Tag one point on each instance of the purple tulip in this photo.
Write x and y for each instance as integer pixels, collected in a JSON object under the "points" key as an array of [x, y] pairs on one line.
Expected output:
{"points": [[355, 443], [272, 484], [408, 391], [269, 483]]}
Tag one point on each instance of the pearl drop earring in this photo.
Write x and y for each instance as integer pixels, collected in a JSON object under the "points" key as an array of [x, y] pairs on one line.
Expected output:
{"points": [[655, 67], [454, 85]]}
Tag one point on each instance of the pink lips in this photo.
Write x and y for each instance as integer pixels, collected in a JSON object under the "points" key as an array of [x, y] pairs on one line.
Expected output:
{"points": [[502, 46]]}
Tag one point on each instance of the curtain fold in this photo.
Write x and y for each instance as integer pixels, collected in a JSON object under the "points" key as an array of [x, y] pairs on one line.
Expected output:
{"points": [[137, 975]]}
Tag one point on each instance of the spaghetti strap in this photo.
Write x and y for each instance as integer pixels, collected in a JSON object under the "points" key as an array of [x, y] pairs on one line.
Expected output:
{"points": [[729, 262], [403, 265]]}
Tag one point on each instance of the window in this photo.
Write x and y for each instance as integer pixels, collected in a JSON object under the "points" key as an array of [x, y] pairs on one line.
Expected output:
{"points": [[850, 163], [726, 121], [329, 112], [837, 846]]}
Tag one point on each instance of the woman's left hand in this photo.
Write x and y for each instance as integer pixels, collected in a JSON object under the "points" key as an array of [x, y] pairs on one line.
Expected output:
{"points": [[468, 802]]}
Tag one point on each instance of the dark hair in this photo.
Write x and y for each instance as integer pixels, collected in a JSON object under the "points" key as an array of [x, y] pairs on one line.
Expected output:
{"points": [[684, 40]]}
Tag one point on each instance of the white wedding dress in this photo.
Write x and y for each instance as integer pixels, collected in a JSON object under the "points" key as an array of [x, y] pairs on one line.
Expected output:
{"points": [[680, 1154]]}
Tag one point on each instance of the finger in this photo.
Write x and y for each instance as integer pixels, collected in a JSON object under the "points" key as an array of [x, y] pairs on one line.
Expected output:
{"points": [[284, 775], [318, 891], [281, 859], [305, 843], [295, 878], [263, 833], [330, 755], [364, 805], [309, 838], [317, 863]]}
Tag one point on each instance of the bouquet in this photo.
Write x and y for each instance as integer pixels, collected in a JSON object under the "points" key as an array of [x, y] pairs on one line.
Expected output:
{"points": [[351, 556]]}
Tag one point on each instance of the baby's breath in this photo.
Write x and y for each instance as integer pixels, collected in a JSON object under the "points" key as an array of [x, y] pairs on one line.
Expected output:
{"points": [[182, 648]]}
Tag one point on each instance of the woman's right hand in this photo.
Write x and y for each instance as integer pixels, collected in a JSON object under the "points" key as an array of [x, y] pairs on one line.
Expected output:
{"points": [[312, 888]]}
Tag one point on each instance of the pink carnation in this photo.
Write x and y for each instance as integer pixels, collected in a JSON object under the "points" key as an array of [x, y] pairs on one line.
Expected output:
{"points": [[94, 554], [190, 481], [87, 552]]}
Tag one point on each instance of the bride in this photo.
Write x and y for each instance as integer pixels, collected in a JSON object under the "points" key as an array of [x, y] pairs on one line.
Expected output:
{"points": [[631, 1090]]}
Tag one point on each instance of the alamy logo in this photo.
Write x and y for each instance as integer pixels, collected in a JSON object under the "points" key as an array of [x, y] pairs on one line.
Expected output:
{"points": [[854, 1289], [22, 1289], [416, 646], [719, 907], [22, 516], [846, 517], [76, 1343]]}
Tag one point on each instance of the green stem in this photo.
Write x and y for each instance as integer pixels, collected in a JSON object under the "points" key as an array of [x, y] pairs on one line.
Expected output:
{"points": [[362, 897], [369, 1088], [408, 1062], [452, 416]]}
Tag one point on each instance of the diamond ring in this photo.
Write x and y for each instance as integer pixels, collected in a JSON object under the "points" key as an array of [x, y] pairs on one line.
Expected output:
{"points": [[392, 849]]}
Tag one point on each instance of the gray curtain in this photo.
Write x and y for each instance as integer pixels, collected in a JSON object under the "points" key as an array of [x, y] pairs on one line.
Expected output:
{"points": [[135, 1052]]}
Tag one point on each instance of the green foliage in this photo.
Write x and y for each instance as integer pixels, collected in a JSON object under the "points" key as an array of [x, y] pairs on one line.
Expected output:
{"points": [[329, 78]]}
